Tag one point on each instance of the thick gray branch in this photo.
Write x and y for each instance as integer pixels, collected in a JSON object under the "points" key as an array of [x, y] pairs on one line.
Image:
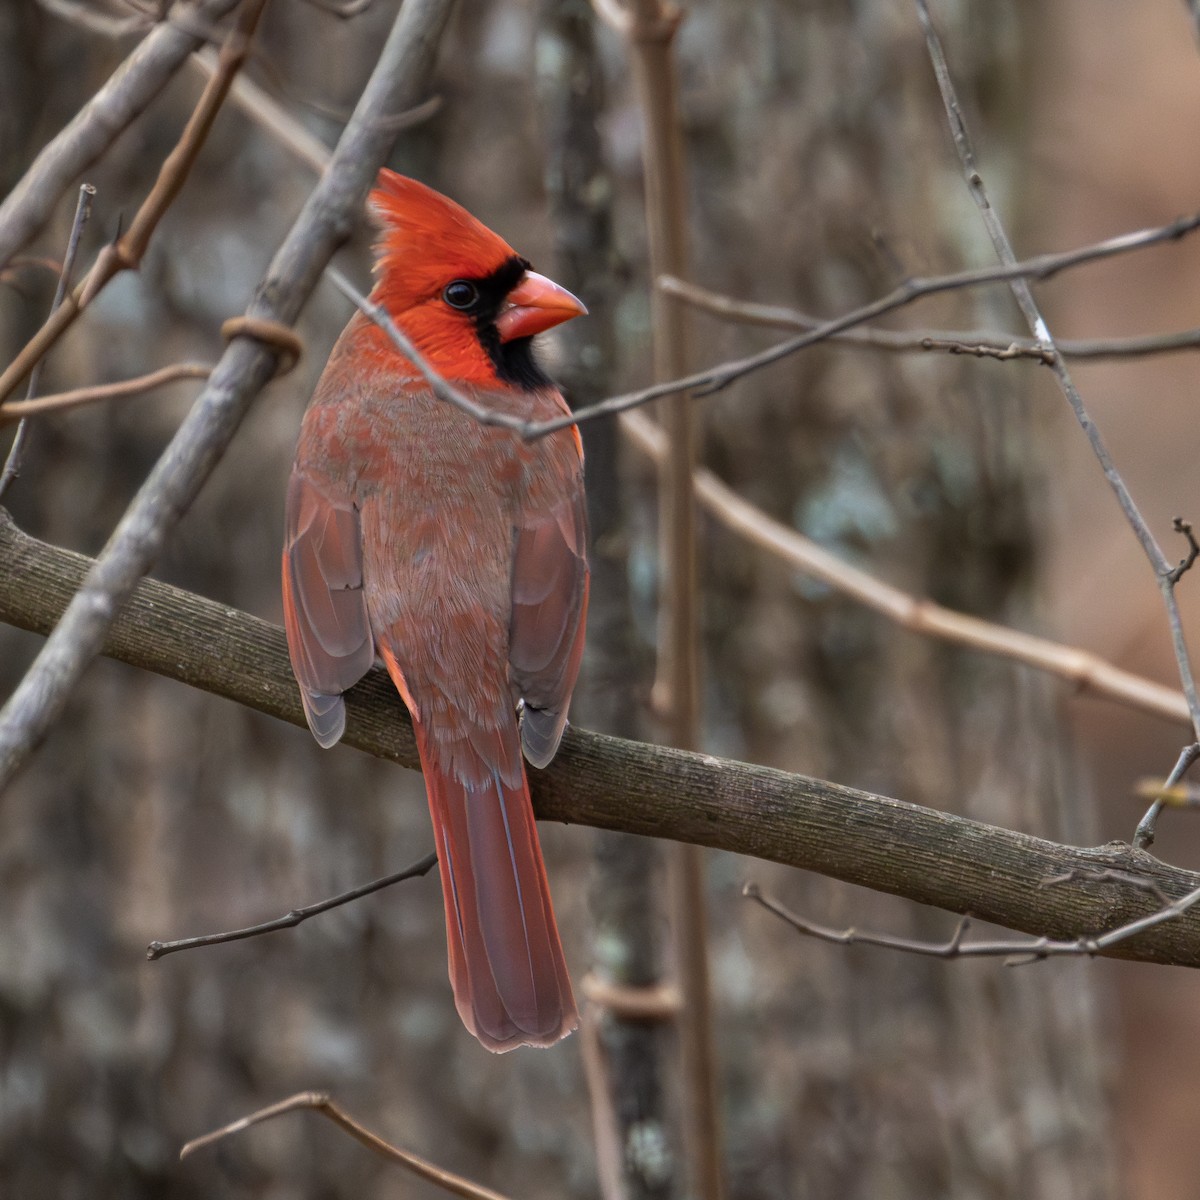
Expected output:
{"points": [[325, 221], [132, 87], [934, 857]]}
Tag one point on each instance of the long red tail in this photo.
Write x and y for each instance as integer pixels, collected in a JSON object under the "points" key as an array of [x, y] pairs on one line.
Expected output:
{"points": [[507, 969]]}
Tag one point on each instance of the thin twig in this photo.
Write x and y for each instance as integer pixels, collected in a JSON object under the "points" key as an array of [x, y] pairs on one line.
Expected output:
{"points": [[100, 392], [320, 1102], [16, 453], [127, 252], [289, 920], [656, 1002], [1087, 671], [1185, 564], [977, 343], [328, 217], [717, 377], [127, 93], [714, 379], [1144, 835], [1020, 950], [290, 133]]}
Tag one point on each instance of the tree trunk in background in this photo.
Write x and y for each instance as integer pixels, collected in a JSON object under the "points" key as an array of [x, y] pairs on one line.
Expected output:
{"points": [[626, 916], [824, 175]]}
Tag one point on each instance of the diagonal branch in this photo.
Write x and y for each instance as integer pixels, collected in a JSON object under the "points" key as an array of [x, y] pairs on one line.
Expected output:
{"points": [[1041, 267], [903, 849], [973, 342], [131, 88], [1037, 326], [326, 220], [1088, 671], [320, 1103], [127, 252]]}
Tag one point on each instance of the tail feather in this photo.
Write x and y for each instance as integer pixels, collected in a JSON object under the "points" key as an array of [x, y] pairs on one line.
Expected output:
{"points": [[507, 969]]}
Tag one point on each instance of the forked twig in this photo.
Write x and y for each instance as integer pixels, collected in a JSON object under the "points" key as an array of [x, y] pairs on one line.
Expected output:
{"points": [[127, 252], [1144, 835], [1185, 564], [1017, 950], [320, 1102], [158, 950], [976, 343]]}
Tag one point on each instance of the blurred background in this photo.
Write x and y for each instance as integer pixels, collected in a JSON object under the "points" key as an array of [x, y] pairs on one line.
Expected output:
{"points": [[821, 175]]}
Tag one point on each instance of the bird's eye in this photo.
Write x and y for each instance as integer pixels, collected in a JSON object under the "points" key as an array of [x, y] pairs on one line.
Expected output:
{"points": [[460, 294]]}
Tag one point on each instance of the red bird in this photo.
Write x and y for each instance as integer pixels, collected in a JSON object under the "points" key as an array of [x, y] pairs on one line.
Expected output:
{"points": [[456, 552]]}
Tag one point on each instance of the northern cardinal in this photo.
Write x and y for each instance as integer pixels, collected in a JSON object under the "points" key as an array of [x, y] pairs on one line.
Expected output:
{"points": [[456, 552]]}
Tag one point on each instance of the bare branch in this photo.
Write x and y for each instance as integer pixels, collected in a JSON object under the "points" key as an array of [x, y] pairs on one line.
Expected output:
{"points": [[147, 70], [1022, 949], [77, 397], [1088, 671], [1144, 835], [1185, 564], [714, 379], [973, 342], [127, 252], [319, 1102], [606, 1128], [16, 453], [325, 221], [903, 849], [289, 920]]}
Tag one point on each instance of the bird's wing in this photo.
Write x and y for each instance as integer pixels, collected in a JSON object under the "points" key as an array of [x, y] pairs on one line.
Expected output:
{"points": [[549, 604], [325, 611]]}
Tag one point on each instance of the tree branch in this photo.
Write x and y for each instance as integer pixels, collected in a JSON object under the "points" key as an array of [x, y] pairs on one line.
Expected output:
{"points": [[323, 224], [891, 846], [1087, 671], [320, 1103], [1023, 295], [127, 252], [978, 343], [128, 92]]}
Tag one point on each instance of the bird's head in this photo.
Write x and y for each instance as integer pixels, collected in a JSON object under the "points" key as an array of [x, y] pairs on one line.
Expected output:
{"points": [[467, 300]]}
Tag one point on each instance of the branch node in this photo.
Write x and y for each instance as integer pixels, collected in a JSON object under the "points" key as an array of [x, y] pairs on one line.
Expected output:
{"points": [[1174, 575], [286, 343]]}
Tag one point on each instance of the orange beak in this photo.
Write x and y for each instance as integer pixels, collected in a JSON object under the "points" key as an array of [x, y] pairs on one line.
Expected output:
{"points": [[535, 305]]}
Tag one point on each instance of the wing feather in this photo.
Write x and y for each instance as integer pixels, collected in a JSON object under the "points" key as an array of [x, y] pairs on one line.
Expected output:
{"points": [[325, 610], [549, 605]]}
